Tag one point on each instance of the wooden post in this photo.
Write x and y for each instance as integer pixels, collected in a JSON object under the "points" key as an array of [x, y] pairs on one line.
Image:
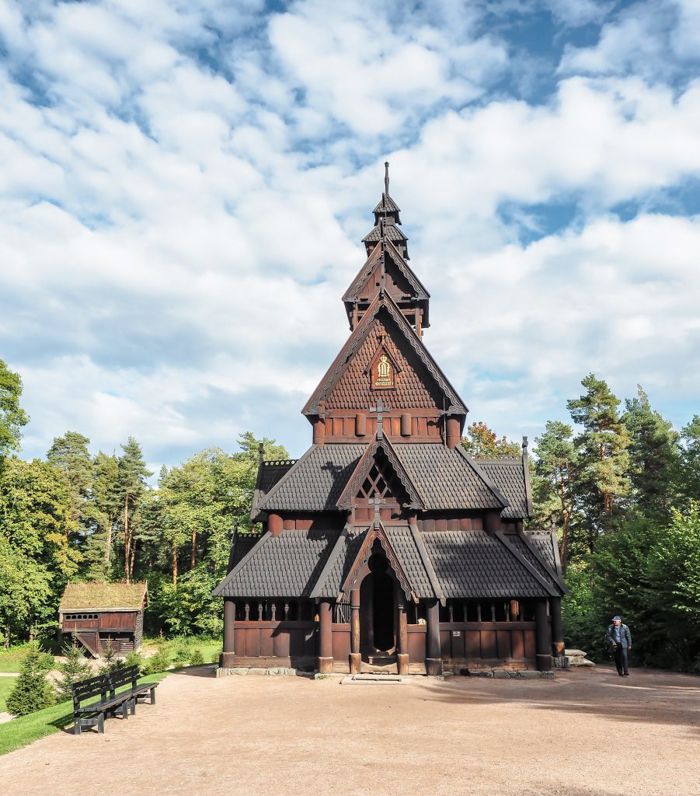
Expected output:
{"points": [[433, 661], [453, 434], [319, 431], [275, 524], [325, 651], [402, 653], [355, 631], [544, 656], [557, 627], [360, 424], [405, 425], [227, 657], [492, 522]]}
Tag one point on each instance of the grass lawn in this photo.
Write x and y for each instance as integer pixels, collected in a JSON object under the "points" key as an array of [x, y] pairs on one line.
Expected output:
{"points": [[26, 729], [6, 685], [11, 659], [181, 647]]}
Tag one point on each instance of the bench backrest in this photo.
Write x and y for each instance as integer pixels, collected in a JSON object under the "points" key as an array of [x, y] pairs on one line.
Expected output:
{"points": [[122, 676], [86, 689]]}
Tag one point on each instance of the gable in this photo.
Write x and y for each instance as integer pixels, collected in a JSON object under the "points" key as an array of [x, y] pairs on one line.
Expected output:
{"points": [[400, 282]]}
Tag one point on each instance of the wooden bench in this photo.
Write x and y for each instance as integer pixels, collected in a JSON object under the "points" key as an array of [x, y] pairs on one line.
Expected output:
{"points": [[129, 675], [110, 702]]}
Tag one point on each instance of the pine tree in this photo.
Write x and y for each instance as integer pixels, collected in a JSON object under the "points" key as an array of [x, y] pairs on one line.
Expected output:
{"points": [[654, 457], [75, 668], [31, 691], [70, 455], [689, 475], [131, 486], [554, 482], [602, 459]]}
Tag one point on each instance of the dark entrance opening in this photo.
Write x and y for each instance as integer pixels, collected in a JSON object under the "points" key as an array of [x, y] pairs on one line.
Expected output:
{"points": [[377, 608]]}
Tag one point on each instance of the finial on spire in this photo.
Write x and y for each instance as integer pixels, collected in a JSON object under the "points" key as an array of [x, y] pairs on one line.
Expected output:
{"points": [[524, 446], [386, 177]]}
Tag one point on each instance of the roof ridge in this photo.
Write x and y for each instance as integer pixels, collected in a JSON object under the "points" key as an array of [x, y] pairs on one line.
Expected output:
{"points": [[425, 560], [554, 575], [284, 478], [475, 467], [239, 566], [519, 556], [330, 562], [362, 468], [357, 337]]}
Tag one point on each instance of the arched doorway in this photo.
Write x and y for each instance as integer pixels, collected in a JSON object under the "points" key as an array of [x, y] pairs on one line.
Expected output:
{"points": [[377, 610]]}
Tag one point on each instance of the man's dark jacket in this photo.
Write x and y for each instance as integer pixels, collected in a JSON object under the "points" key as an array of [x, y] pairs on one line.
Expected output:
{"points": [[625, 635]]}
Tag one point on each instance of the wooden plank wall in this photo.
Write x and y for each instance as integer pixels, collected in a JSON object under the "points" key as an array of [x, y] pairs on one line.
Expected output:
{"points": [[487, 640]]}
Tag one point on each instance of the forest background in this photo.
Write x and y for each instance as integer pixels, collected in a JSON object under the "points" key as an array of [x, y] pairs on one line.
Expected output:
{"points": [[619, 484]]}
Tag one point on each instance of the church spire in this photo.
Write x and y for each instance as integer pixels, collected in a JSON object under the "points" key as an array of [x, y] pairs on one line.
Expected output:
{"points": [[386, 216]]}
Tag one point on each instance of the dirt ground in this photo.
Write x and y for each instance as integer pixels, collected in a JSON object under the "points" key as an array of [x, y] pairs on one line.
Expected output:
{"points": [[586, 733]]}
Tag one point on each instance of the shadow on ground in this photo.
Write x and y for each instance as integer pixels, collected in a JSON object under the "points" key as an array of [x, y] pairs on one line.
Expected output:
{"points": [[646, 696]]}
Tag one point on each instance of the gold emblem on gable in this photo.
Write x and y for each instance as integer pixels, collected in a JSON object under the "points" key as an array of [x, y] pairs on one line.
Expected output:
{"points": [[383, 373]]}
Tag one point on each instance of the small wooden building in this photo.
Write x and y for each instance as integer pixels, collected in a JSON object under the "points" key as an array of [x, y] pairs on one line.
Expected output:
{"points": [[104, 614], [386, 546]]}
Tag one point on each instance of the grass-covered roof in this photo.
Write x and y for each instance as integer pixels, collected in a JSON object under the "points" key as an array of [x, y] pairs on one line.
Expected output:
{"points": [[102, 595]]}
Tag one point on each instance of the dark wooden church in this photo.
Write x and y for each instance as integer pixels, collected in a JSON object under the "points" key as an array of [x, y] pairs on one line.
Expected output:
{"points": [[386, 546]]}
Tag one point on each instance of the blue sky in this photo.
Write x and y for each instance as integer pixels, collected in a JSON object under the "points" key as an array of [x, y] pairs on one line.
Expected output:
{"points": [[184, 187]]}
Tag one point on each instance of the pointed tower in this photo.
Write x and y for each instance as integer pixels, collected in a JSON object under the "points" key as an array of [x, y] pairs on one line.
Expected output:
{"points": [[387, 268], [385, 544]]}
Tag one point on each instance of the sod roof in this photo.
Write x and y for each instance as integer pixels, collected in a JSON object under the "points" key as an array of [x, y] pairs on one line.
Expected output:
{"points": [[103, 595]]}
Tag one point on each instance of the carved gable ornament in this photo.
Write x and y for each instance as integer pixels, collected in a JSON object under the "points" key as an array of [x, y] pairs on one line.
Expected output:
{"points": [[383, 370]]}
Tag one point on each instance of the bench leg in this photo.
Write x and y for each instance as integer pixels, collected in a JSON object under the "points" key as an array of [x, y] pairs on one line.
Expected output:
{"points": [[132, 705], [153, 696], [125, 710], [77, 729], [101, 722]]}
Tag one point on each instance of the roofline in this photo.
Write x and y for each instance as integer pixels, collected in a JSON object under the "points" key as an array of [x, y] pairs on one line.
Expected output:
{"points": [[101, 610], [229, 577], [528, 566], [332, 558], [403, 266], [554, 575], [285, 477], [395, 460], [427, 563], [358, 335], [528, 490], [499, 495]]}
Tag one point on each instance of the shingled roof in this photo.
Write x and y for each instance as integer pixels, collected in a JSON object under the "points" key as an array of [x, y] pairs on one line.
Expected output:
{"points": [[392, 233], [398, 261], [511, 478], [106, 596], [385, 305], [443, 478], [442, 564], [287, 565], [471, 564]]}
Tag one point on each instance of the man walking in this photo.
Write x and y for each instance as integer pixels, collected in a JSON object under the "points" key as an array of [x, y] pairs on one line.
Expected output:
{"points": [[620, 638]]}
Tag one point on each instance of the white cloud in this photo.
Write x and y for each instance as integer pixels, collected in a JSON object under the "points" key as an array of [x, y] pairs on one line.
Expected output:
{"points": [[183, 188]]}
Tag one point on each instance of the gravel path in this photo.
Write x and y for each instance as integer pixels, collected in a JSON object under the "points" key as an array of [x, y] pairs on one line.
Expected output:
{"points": [[586, 733]]}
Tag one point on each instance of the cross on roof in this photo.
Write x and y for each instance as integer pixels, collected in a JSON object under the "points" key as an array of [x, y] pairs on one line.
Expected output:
{"points": [[377, 502], [380, 408]]}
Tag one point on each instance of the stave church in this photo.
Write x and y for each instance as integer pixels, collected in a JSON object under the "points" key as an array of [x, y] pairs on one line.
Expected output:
{"points": [[386, 547]]}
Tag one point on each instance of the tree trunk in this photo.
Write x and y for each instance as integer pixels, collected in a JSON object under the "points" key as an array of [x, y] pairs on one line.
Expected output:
{"points": [[127, 541], [6, 640], [174, 565], [133, 557], [108, 542], [193, 556]]}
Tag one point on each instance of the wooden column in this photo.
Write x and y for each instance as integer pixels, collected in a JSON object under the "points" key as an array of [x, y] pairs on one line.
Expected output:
{"points": [[319, 431], [492, 521], [557, 627], [544, 654], [227, 657], [453, 434], [402, 639], [325, 656], [355, 631], [275, 524], [433, 661]]}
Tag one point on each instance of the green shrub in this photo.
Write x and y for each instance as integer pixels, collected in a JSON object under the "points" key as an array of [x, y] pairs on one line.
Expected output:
{"points": [[158, 662], [196, 658], [32, 691], [182, 654], [75, 668], [135, 659]]}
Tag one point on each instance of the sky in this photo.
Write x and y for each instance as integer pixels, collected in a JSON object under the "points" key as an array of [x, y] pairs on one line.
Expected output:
{"points": [[184, 186]]}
